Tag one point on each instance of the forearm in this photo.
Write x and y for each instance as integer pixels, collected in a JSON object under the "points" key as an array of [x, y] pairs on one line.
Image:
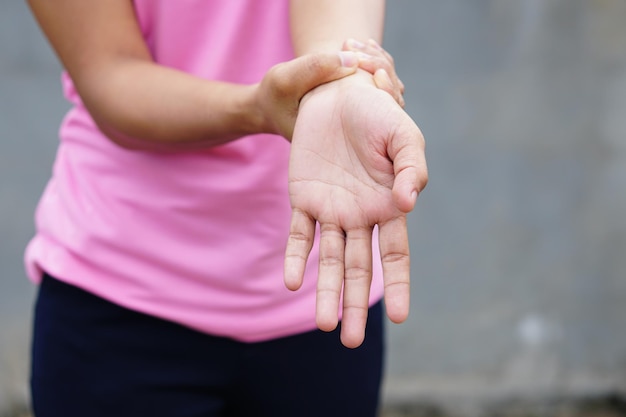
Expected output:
{"points": [[323, 25], [139, 103], [134, 101]]}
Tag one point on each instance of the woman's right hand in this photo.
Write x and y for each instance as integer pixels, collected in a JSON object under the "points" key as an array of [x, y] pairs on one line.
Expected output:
{"points": [[278, 95], [284, 85], [380, 63]]}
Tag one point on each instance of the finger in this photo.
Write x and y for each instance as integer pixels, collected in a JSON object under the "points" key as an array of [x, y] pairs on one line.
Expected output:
{"points": [[299, 244], [297, 77], [286, 83], [383, 81], [374, 57], [330, 276], [352, 44], [377, 47], [356, 286], [372, 64], [406, 150], [394, 75], [394, 252], [373, 49]]}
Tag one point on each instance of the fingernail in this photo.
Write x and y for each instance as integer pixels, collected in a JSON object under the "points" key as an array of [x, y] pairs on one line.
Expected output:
{"points": [[374, 44], [348, 59], [353, 43], [385, 76], [363, 56], [414, 196]]}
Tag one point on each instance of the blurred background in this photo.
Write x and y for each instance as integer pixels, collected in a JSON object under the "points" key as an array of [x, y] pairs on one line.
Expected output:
{"points": [[519, 241]]}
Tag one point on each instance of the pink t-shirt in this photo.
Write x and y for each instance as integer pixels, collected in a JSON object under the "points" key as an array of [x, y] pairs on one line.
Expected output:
{"points": [[195, 237]]}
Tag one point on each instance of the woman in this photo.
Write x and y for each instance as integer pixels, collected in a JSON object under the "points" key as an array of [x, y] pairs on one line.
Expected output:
{"points": [[161, 234]]}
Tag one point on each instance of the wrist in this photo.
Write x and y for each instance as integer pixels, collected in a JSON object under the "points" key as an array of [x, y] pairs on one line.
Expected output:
{"points": [[360, 78], [250, 115]]}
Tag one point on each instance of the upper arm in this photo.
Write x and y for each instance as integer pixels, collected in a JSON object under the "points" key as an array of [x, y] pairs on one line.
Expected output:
{"points": [[90, 36]]}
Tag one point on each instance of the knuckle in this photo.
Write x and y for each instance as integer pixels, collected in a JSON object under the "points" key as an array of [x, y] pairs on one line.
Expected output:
{"points": [[396, 258], [299, 237], [381, 62], [314, 64], [331, 261], [358, 309], [280, 80], [327, 291], [357, 272], [295, 257], [401, 285]]}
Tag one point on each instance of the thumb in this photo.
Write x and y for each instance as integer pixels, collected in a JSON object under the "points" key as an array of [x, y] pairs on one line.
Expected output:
{"points": [[300, 75], [406, 150]]}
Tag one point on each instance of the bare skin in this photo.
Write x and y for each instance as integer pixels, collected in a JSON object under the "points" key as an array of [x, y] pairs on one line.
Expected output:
{"points": [[357, 161], [364, 167], [340, 122], [141, 104]]}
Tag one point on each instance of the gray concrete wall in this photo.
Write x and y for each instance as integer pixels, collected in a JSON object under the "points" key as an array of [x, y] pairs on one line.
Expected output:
{"points": [[30, 109], [519, 242]]}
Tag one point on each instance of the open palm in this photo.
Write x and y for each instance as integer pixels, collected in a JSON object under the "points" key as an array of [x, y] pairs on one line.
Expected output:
{"points": [[357, 161]]}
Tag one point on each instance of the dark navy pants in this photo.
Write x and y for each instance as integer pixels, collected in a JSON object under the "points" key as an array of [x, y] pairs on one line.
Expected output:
{"points": [[92, 358]]}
